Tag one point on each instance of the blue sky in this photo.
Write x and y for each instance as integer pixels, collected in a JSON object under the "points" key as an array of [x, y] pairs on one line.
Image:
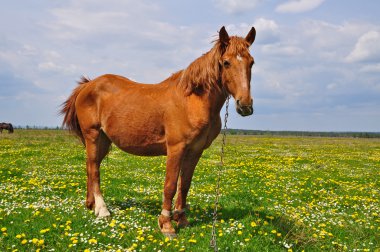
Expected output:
{"points": [[317, 61]]}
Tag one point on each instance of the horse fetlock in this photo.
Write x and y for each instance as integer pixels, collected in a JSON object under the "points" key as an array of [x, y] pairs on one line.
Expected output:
{"points": [[102, 212], [90, 204]]}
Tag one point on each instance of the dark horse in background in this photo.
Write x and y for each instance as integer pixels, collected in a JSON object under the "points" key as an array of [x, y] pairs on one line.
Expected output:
{"points": [[178, 117], [6, 126]]}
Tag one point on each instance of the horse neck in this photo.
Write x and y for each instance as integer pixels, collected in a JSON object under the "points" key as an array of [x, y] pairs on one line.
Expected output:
{"points": [[216, 98], [203, 78]]}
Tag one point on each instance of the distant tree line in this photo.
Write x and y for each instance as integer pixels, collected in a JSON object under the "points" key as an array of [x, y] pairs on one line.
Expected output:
{"points": [[304, 133], [262, 132], [35, 127]]}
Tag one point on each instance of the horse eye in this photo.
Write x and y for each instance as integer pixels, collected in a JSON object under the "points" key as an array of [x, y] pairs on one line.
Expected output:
{"points": [[226, 63]]}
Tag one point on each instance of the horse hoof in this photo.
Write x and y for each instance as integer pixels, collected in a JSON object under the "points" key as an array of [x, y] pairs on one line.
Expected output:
{"points": [[183, 223], [170, 235], [102, 212], [181, 220], [166, 227]]}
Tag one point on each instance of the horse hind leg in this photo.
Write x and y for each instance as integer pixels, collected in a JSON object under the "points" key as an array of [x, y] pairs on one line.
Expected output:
{"points": [[97, 147]]}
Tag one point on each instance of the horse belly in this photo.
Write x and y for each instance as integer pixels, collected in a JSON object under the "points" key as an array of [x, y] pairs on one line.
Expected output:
{"points": [[142, 141], [147, 150]]}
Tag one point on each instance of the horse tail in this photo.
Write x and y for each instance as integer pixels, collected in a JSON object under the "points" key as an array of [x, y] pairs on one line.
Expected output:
{"points": [[70, 120]]}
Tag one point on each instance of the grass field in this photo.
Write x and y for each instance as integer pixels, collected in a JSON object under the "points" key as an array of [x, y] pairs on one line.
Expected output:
{"points": [[278, 194]]}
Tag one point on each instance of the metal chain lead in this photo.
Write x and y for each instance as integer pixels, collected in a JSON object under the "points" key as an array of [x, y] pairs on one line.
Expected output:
{"points": [[217, 189]]}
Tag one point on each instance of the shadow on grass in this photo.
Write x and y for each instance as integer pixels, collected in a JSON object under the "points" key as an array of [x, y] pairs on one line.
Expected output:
{"points": [[150, 206], [204, 216]]}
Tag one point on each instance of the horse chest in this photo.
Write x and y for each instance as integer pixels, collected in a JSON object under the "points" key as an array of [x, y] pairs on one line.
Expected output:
{"points": [[206, 135]]}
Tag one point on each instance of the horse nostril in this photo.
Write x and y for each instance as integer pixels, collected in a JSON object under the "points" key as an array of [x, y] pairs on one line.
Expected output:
{"points": [[238, 102]]}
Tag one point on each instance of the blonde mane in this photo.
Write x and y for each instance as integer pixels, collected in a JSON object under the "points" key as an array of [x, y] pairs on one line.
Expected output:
{"points": [[204, 73]]}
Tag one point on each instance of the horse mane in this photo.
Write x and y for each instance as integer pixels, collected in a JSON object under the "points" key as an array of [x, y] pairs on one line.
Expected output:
{"points": [[203, 74]]}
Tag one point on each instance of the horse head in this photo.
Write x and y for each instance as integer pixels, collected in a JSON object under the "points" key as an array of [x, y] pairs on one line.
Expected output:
{"points": [[236, 64]]}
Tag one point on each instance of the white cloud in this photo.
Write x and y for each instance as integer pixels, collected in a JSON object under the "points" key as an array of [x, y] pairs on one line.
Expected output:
{"points": [[236, 6], [267, 30], [366, 49], [280, 49], [76, 21], [371, 68], [266, 24], [298, 6]]}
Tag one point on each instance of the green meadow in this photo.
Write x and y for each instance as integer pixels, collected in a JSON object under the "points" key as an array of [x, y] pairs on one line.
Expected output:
{"points": [[277, 194]]}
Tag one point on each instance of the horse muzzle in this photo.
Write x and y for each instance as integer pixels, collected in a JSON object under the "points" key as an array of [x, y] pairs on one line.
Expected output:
{"points": [[244, 110]]}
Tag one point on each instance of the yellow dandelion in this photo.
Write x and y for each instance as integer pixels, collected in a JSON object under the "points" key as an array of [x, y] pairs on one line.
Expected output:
{"points": [[3, 229], [41, 242], [140, 238], [43, 231], [24, 241], [35, 240], [193, 241], [92, 241], [253, 224]]}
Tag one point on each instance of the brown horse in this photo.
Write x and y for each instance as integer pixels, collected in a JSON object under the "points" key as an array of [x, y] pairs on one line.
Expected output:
{"points": [[178, 117], [6, 126]]}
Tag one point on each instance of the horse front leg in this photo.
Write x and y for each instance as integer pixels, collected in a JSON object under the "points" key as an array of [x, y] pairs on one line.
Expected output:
{"points": [[173, 164], [187, 170]]}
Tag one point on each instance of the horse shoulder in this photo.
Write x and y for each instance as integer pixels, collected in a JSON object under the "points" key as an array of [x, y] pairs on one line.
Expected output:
{"points": [[197, 124]]}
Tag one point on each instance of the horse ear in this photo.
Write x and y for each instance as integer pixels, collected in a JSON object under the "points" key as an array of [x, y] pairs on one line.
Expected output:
{"points": [[223, 36], [251, 36]]}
